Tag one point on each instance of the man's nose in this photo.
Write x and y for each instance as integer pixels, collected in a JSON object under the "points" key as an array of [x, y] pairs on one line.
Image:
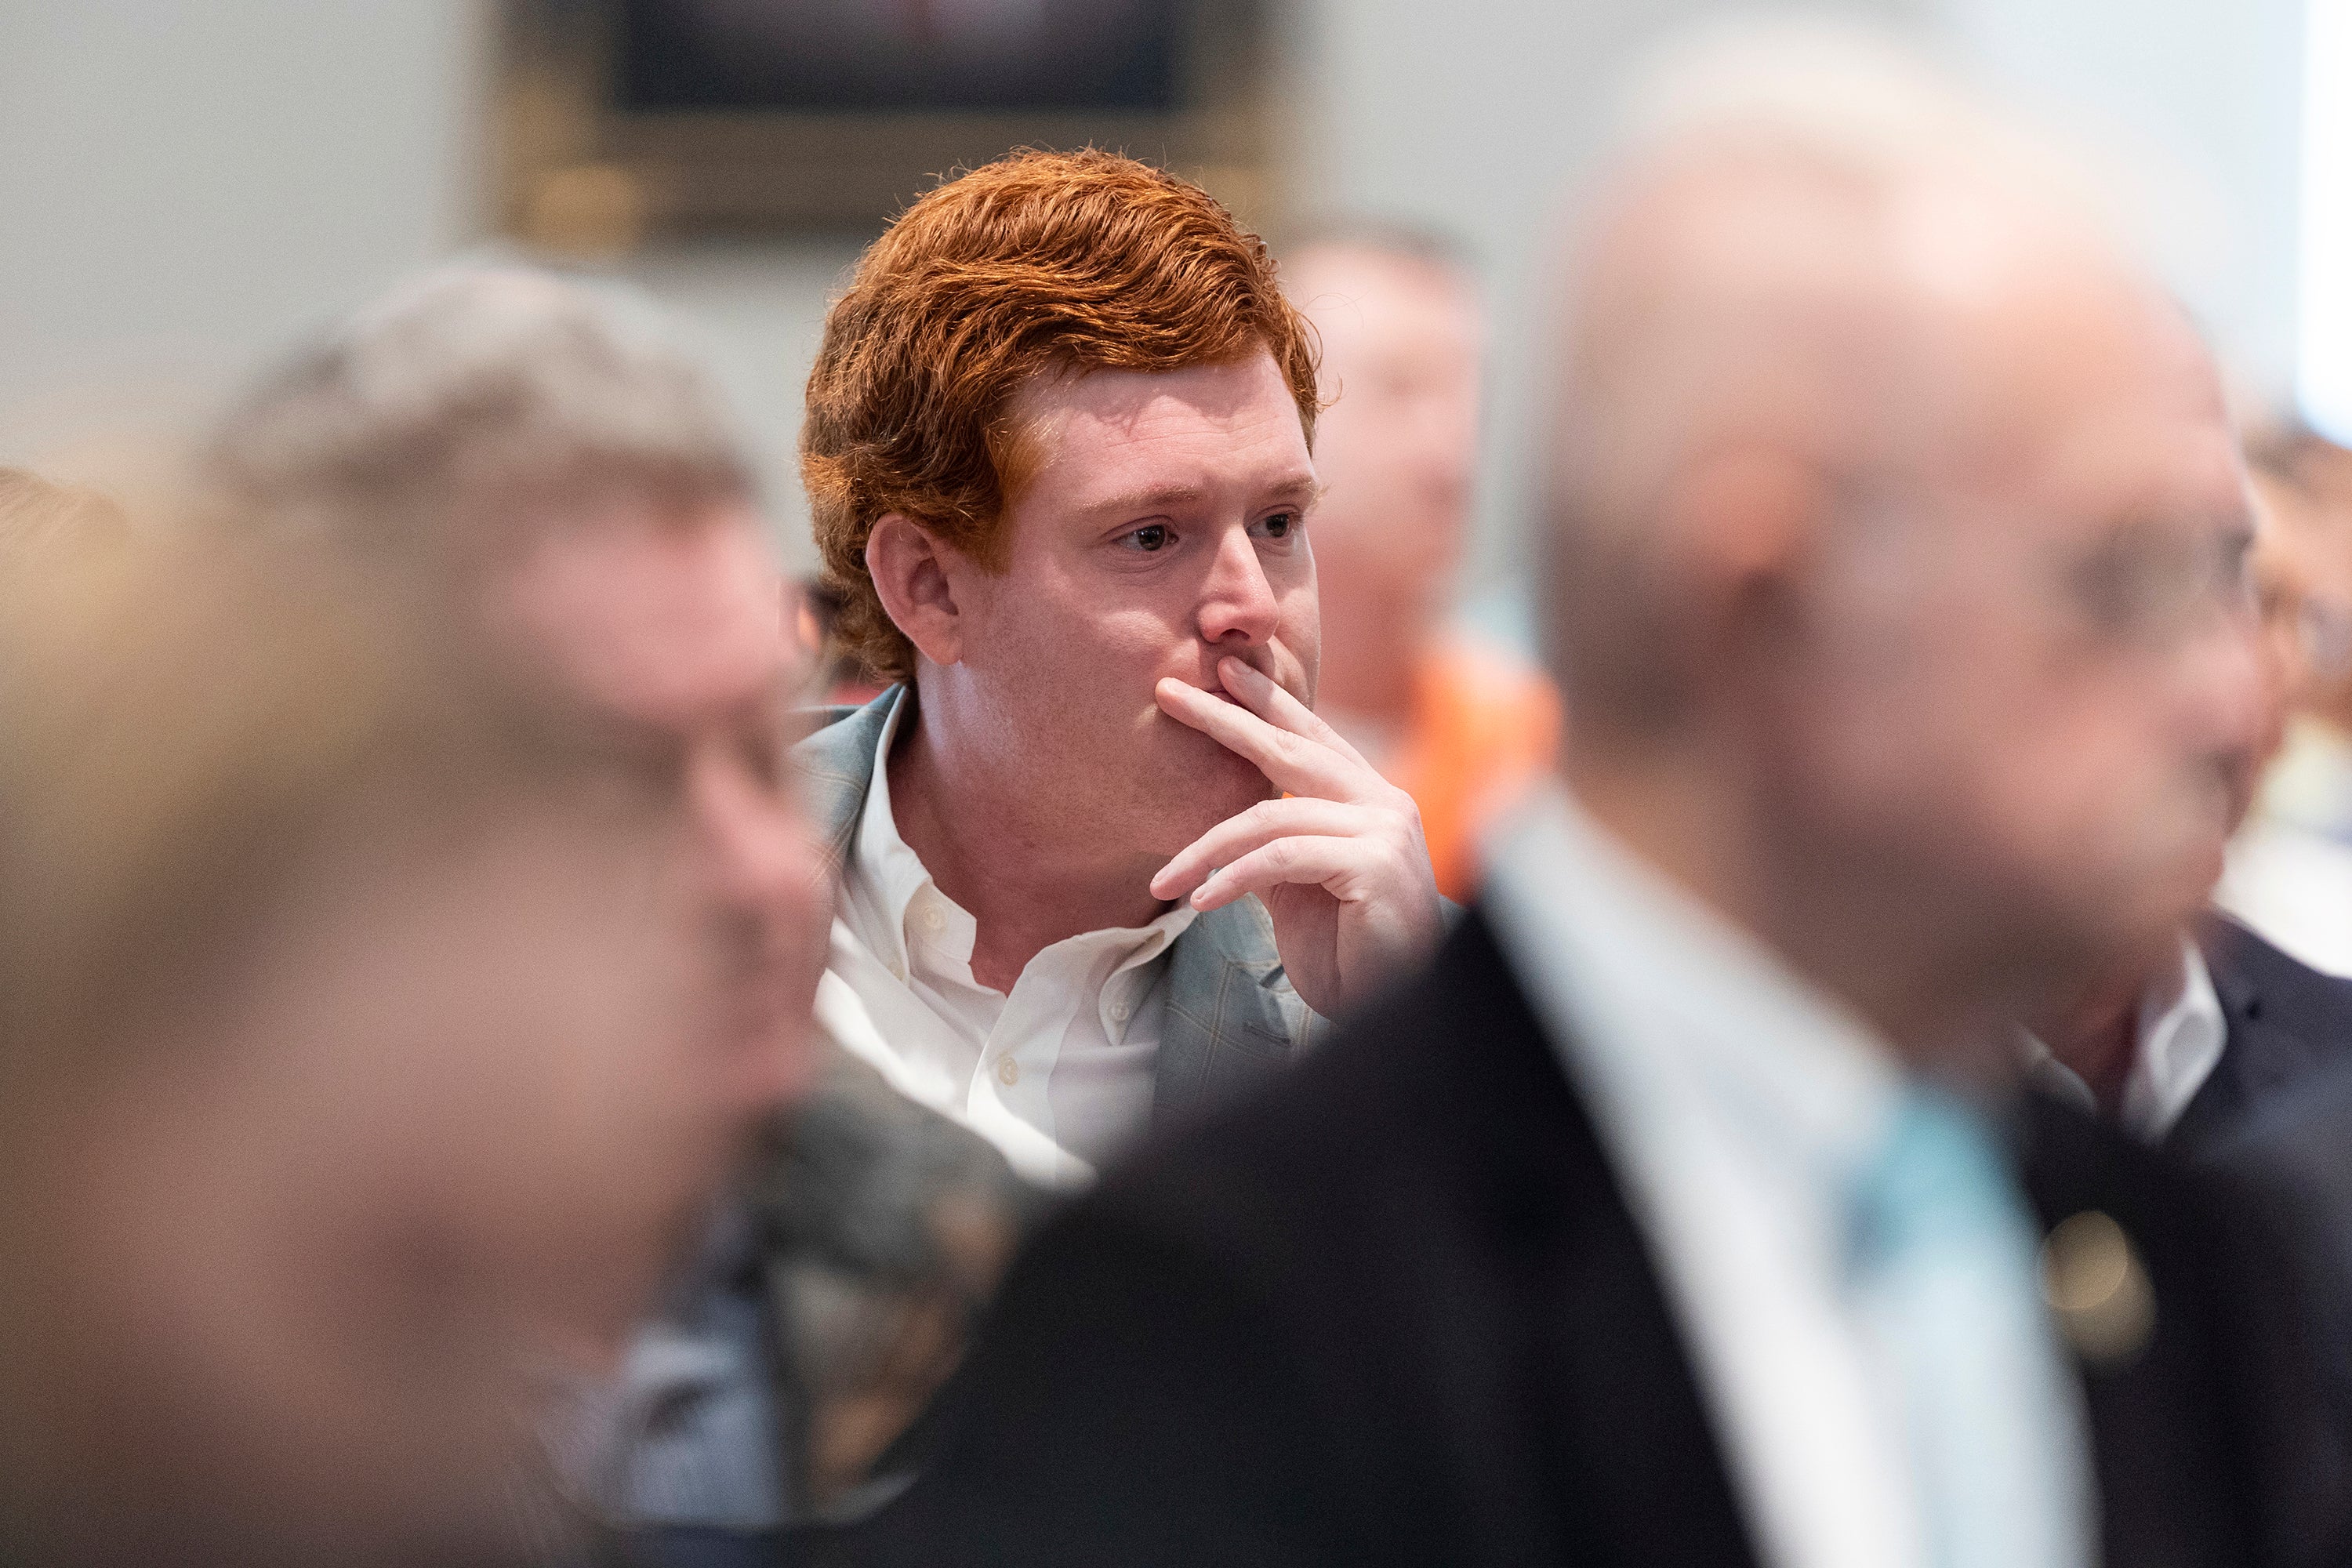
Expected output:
{"points": [[2226, 686], [1237, 601], [757, 852]]}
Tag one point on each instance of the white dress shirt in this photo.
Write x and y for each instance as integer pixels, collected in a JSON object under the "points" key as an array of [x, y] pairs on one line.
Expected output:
{"points": [[1735, 1103], [2179, 1036], [1057, 1073]]}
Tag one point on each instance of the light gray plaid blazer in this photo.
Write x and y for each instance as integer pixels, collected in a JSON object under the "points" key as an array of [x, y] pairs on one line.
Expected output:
{"points": [[1233, 1016]]}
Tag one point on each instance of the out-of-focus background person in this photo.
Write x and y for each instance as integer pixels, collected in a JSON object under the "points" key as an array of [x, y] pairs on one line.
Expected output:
{"points": [[1462, 726], [357, 1083], [537, 469], [2214, 1024], [2290, 871]]}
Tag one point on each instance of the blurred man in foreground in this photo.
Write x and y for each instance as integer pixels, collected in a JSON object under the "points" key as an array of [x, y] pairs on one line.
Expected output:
{"points": [[538, 471], [1899, 594], [1462, 728], [358, 1066]]}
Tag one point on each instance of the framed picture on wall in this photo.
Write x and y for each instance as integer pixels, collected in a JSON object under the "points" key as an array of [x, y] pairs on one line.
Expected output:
{"points": [[624, 120]]}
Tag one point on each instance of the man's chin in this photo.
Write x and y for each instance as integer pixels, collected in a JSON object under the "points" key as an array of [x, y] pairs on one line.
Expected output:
{"points": [[1196, 795]]}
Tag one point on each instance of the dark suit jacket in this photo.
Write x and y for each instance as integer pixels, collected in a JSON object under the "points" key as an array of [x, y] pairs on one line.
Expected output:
{"points": [[2288, 1025], [2292, 1164], [1395, 1311]]}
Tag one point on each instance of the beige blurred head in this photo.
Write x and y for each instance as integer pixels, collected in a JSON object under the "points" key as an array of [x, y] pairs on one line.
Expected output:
{"points": [[541, 471], [1897, 537], [1399, 323], [357, 1062]]}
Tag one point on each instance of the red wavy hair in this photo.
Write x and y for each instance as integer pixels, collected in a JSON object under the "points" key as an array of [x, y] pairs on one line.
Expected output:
{"points": [[1039, 263]]}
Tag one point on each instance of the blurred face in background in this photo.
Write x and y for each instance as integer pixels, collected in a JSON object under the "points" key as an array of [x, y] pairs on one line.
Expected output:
{"points": [[2322, 501], [2303, 577], [1163, 527], [1397, 446], [2043, 696], [662, 633]]}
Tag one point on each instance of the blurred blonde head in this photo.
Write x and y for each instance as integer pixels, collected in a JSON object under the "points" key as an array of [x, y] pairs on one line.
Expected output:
{"points": [[40, 520], [350, 1063]]}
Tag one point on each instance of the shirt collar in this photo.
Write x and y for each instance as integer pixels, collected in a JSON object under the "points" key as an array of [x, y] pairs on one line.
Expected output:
{"points": [[892, 871], [1656, 985], [904, 887], [2180, 1034]]}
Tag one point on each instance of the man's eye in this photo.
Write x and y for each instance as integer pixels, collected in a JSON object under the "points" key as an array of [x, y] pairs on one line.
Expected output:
{"points": [[1281, 525], [1152, 536]]}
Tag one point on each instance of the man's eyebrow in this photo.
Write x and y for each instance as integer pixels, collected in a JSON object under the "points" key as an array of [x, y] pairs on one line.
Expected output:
{"points": [[1302, 484], [1152, 499]]}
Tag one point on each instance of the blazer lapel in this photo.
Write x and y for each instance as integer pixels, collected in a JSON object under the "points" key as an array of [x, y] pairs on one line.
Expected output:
{"points": [[2258, 1058], [1233, 1018], [836, 765]]}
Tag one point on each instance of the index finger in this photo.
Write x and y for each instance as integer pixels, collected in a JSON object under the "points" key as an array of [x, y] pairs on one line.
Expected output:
{"points": [[1290, 761], [1272, 701]]}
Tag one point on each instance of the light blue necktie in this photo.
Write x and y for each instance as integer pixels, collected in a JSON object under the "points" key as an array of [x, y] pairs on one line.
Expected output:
{"points": [[1942, 1272]]}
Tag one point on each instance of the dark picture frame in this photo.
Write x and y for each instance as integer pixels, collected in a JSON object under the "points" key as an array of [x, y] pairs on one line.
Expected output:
{"points": [[621, 121]]}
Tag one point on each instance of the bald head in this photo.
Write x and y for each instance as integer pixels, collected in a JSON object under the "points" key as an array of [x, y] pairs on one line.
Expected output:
{"points": [[1886, 493], [1852, 323]]}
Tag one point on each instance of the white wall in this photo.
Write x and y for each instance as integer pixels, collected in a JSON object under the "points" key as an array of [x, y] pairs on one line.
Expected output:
{"points": [[2204, 97], [185, 182]]}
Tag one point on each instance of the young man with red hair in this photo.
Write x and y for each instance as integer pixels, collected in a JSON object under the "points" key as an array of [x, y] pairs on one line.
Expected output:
{"points": [[1097, 863], [1057, 457]]}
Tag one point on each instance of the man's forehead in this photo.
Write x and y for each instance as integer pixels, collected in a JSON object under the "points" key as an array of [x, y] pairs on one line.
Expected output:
{"points": [[653, 619], [1107, 434]]}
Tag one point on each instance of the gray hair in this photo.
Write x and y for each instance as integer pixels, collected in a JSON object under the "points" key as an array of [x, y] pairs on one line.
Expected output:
{"points": [[471, 389]]}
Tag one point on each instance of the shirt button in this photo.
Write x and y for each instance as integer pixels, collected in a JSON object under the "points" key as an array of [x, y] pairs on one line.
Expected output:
{"points": [[931, 917], [1121, 1012], [1008, 1071]]}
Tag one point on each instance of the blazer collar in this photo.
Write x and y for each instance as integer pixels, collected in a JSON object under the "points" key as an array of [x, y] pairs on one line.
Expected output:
{"points": [[2258, 1057]]}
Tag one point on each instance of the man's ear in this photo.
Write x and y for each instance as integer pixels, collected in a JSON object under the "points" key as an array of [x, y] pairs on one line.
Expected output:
{"points": [[910, 571], [1741, 528]]}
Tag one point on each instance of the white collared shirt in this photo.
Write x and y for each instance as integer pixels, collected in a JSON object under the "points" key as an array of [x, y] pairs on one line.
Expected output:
{"points": [[2179, 1036], [1058, 1073], [1736, 1104]]}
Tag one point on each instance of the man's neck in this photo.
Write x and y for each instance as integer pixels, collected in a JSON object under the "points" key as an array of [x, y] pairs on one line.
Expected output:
{"points": [[1688, 819], [2099, 1049], [2096, 1037], [1012, 866]]}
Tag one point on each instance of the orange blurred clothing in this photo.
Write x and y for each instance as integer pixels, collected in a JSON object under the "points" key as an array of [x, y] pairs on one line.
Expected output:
{"points": [[1484, 726]]}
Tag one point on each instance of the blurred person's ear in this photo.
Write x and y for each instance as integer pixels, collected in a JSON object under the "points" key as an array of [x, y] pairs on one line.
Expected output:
{"points": [[910, 571], [1737, 530]]}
